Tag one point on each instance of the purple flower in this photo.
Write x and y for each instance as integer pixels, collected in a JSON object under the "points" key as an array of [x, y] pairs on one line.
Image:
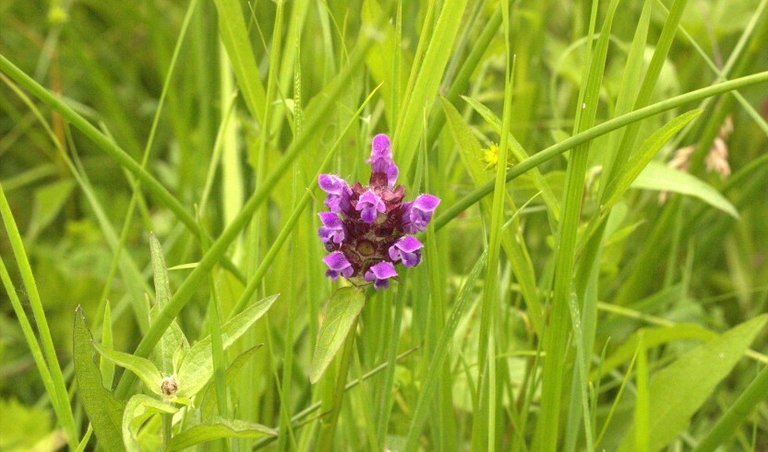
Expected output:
{"points": [[337, 265], [332, 230], [417, 214], [367, 230], [338, 192], [381, 159], [368, 205], [380, 273], [408, 250]]}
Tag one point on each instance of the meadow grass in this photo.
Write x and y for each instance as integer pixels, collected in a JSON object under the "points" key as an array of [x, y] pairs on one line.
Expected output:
{"points": [[594, 277]]}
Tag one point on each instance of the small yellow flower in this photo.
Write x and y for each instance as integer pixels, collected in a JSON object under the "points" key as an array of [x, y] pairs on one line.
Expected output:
{"points": [[491, 156]]}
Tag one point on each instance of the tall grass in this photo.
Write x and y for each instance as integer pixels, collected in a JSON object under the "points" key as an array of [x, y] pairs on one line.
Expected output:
{"points": [[594, 277]]}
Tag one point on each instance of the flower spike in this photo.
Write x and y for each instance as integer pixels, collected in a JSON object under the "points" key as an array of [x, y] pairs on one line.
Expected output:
{"points": [[368, 229]]}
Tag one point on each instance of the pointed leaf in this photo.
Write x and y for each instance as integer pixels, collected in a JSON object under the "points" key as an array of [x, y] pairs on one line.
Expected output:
{"points": [[679, 390], [617, 186], [657, 176], [103, 410], [340, 314], [216, 429], [173, 338], [197, 366], [142, 367], [49, 200]]}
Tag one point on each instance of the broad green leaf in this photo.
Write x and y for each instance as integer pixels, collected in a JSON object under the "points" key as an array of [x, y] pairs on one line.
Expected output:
{"points": [[679, 390], [142, 367], [138, 410], [340, 313], [173, 339], [219, 428], [197, 367], [640, 159], [104, 411], [657, 176], [653, 337]]}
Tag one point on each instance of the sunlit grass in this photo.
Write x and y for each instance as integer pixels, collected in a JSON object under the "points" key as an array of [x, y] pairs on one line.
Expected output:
{"points": [[562, 303]]}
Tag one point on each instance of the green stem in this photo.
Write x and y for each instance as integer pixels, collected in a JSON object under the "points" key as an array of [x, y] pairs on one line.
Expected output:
{"points": [[334, 399], [167, 421], [594, 132]]}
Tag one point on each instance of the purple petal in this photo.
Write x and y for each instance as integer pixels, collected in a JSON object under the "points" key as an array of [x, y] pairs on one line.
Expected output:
{"points": [[338, 264], [380, 273], [381, 158], [417, 214], [338, 192], [332, 229], [408, 250], [369, 204]]}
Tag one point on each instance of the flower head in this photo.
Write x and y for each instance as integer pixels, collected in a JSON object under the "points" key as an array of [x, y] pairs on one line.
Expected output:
{"points": [[367, 230]]}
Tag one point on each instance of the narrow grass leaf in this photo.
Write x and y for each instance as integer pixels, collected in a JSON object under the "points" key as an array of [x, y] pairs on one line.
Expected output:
{"points": [[209, 403], [601, 129], [737, 413], [517, 150], [679, 390], [340, 313], [430, 73], [218, 428], [556, 335], [234, 36], [436, 364], [657, 176], [640, 159], [103, 410]]}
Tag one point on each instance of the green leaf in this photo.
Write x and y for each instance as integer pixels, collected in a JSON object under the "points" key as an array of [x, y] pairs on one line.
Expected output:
{"points": [[679, 390], [657, 176], [173, 339], [104, 411], [208, 406], [219, 428], [197, 367], [49, 200], [340, 313], [138, 410], [142, 367], [234, 36], [640, 159], [428, 75]]}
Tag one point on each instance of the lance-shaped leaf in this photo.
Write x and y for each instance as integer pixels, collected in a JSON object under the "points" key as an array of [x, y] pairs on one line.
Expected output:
{"points": [[679, 390], [640, 159], [142, 367], [219, 428], [340, 314], [104, 411], [173, 339], [657, 176], [197, 367]]}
